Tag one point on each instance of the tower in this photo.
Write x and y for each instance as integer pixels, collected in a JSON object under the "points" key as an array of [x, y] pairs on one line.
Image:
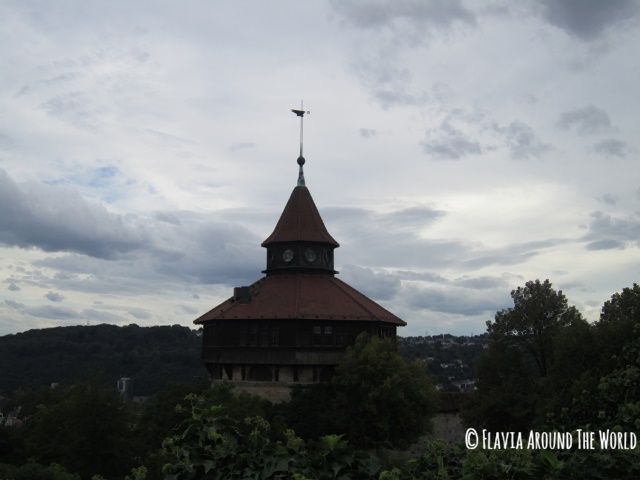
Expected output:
{"points": [[293, 325]]}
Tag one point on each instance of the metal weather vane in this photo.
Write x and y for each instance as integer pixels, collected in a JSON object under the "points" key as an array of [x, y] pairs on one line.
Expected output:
{"points": [[300, 113]]}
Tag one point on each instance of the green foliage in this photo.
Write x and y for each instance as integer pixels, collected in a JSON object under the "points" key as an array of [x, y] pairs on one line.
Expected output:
{"points": [[540, 348], [505, 399], [311, 412], [539, 312], [380, 398], [88, 432], [375, 398], [616, 326], [452, 462], [615, 402], [35, 471], [213, 445], [159, 416]]}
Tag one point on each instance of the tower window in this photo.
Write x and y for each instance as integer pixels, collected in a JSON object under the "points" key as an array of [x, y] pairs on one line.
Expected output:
{"points": [[317, 335], [252, 335], [274, 337], [328, 335]]}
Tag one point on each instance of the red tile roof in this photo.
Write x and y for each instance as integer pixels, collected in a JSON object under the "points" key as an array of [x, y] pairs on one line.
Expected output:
{"points": [[300, 221], [301, 297]]}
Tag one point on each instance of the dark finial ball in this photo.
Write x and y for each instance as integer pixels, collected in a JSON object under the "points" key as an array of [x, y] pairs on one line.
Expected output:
{"points": [[300, 161]]}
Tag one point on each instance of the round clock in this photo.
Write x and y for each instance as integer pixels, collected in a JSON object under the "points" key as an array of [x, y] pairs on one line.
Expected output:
{"points": [[287, 255], [310, 255]]}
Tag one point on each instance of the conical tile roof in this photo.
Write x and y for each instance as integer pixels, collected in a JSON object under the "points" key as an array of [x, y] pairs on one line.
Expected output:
{"points": [[300, 221]]}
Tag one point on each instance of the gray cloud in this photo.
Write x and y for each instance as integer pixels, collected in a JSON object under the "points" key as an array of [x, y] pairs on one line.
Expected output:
{"points": [[189, 310], [612, 148], [241, 146], [455, 300], [403, 246], [54, 218], [102, 313], [378, 285], [13, 287], [607, 244], [54, 296], [521, 140], [608, 198], [509, 255], [477, 283], [448, 143], [368, 132], [389, 85], [392, 240], [76, 107], [481, 283], [6, 142], [388, 97], [412, 20], [586, 121], [411, 218], [52, 312], [606, 232], [589, 19], [91, 314], [59, 219], [424, 276], [139, 313], [14, 304]]}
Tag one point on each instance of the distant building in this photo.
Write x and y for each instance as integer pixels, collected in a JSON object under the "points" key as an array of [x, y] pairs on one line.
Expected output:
{"points": [[293, 325], [468, 385], [125, 387]]}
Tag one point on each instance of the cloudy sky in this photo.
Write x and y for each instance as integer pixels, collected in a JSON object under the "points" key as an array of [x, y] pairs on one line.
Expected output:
{"points": [[456, 149]]}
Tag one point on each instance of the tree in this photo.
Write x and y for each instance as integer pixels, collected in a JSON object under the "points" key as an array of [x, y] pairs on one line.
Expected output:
{"points": [[618, 319], [539, 312], [538, 349], [612, 397], [375, 398], [88, 431], [381, 399]]}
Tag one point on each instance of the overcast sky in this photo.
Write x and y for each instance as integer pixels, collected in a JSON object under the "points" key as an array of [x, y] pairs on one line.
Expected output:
{"points": [[455, 150]]}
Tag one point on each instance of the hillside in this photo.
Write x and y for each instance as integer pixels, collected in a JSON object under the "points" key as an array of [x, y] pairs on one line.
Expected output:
{"points": [[157, 356], [153, 356]]}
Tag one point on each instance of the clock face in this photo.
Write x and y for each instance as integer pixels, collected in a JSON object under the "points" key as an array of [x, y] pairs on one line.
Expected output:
{"points": [[310, 255], [287, 255]]}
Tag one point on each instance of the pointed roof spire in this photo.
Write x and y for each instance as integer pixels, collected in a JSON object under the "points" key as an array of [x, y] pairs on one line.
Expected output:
{"points": [[301, 160], [300, 221]]}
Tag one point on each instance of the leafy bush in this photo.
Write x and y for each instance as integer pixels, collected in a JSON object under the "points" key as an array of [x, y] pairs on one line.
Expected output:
{"points": [[213, 445]]}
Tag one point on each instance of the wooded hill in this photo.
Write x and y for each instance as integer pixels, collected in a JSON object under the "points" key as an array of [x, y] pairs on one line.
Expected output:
{"points": [[153, 356], [158, 356]]}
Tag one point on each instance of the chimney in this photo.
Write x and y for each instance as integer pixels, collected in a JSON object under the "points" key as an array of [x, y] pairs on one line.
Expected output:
{"points": [[242, 294]]}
